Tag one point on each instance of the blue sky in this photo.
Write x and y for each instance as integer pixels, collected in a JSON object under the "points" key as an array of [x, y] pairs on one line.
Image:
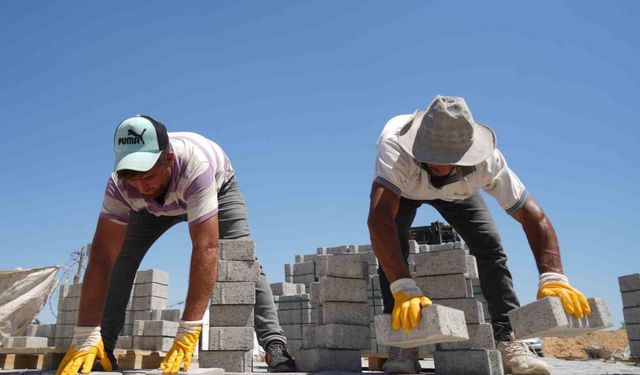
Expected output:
{"points": [[297, 93]]}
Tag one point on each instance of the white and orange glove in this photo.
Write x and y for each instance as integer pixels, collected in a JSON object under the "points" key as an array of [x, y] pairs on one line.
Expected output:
{"points": [[85, 347], [557, 285], [408, 300], [182, 349]]}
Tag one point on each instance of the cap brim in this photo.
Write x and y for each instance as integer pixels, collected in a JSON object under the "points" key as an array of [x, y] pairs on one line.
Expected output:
{"points": [[137, 161]]}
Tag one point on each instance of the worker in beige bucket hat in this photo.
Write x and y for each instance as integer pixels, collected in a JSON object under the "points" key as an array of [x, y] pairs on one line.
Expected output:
{"points": [[443, 157]]}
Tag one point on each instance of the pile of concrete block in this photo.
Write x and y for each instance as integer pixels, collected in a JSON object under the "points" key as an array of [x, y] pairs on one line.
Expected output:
{"points": [[342, 328], [546, 317], [231, 315], [68, 306], [630, 289], [294, 312], [446, 274]]}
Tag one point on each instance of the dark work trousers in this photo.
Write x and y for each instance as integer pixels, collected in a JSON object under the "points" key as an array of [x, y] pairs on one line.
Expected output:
{"points": [[144, 229], [472, 220]]}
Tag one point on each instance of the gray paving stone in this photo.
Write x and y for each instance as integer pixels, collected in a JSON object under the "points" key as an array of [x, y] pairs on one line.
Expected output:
{"points": [[336, 336], [62, 343], [472, 308], [629, 282], [303, 279], [171, 315], [441, 263], [148, 303], [304, 268], [67, 317], [341, 265], [299, 258], [294, 302], [70, 290], [286, 289], [438, 324], [480, 337], [634, 346], [64, 331], [631, 299], [342, 290], [445, 286], [231, 315], [472, 361], [124, 342], [292, 331], [26, 342], [312, 360], [631, 315], [231, 338], [240, 249], [546, 317], [229, 360], [163, 328], [160, 343], [238, 270], [288, 269], [633, 331], [151, 290], [152, 276], [353, 313], [234, 293], [69, 304], [300, 316]]}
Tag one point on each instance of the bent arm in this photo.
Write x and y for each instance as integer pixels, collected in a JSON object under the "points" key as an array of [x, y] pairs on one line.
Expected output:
{"points": [[541, 236], [384, 235], [204, 267], [105, 248]]}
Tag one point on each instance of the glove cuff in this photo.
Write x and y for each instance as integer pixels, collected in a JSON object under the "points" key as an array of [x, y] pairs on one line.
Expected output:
{"points": [[406, 285], [188, 326], [83, 336], [552, 277]]}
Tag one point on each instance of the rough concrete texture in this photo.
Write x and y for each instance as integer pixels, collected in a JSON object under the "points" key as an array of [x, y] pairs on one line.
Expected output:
{"points": [[230, 338], [148, 303], [473, 361], [241, 249], [312, 360], [231, 316], [295, 302], [152, 343], [299, 258], [125, 342], [305, 268], [229, 360], [480, 337], [238, 270], [438, 324], [28, 342], [287, 289], [633, 332], [160, 328], [445, 286], [292, 331], [546, 317], [472, 308], [342, 290], [441, 263], [300, 316], [634, 346], [631, 299], [234, 293], [152, 276], [150, 289], [353, 313], [336, 336], [66, 317], [629, 282], [631, 315], [341, 265], [172, 315]]}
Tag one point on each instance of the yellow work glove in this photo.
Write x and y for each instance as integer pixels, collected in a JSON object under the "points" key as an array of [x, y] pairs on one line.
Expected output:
{"points": [[183, 346], [85, 347], [557, 285], [408, 300]]}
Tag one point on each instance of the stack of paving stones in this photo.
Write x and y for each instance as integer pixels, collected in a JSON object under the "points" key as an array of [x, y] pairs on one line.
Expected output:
{"points": [[231, 315], [630, 289], [294, 312], [446, 274], [68, 306], [148, 300], [342, 322]]}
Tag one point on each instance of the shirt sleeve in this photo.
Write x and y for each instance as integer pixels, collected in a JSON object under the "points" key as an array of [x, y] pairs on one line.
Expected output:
{"points": [[201, 196], [392, 166], [114, 207], [503, 184]]}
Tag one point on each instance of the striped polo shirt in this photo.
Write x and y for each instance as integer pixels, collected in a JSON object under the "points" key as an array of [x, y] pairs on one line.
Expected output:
{"points": [[200, 169], [399, 172]]}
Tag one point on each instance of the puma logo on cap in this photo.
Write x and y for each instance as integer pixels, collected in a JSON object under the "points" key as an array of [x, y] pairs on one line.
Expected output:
{"points": [[133, 139]]}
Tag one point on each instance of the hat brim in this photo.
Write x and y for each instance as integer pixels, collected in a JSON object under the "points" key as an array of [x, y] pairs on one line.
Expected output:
{"points": [[137, 161], [483, 145]]}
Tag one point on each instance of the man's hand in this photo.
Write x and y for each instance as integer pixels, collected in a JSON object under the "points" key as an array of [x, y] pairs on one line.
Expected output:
{"points": [[557, 285], [408, 302], [85, 347], [183, 346]]}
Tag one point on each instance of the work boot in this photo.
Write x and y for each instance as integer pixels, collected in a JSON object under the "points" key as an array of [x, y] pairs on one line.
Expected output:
{"points": [[112, 358], [278, 358], [518, 359], [402, 361]]}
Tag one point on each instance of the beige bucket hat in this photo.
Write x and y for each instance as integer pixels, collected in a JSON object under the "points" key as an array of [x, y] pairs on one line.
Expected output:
{"points": [[447, 134]]}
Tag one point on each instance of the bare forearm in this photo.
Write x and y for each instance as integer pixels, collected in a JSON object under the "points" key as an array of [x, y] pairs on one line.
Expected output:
{"points": [[541, 236], [94, 293], [202, 278], [386, 246]]}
